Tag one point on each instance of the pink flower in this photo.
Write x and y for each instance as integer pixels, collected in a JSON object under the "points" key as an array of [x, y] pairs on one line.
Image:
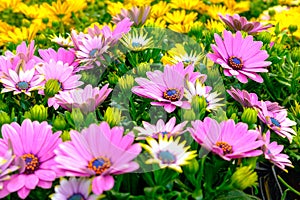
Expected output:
{"points": [[34, 142], [160, 128], [277, 121], [188, 71], [166, 87], [86, 99], [238, 23], [272, 151], [240, 57], [227, 139], [136, 14], [98, 152], [248, 100]]}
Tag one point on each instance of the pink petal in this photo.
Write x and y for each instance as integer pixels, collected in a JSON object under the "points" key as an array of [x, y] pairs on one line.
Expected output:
{"points": [[16, 183], [102, 183], [23, 193]]}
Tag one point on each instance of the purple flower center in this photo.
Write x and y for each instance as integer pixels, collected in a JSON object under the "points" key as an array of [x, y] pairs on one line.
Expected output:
{"points": [[275, 122], [99, 165], [166, 157], [227, 148], [172, 94], [76, 197], [31, 163], [22, 85], [93, 52], [235, 63]]}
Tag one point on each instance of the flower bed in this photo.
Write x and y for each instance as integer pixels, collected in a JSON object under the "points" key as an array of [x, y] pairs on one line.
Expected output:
{"points": [[149, 99]]}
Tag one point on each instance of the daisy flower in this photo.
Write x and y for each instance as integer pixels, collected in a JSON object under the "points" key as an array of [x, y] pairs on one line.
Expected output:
{"points": [[136, 14], [247, 100], [137, 40], [227, 139], [160, 128], [166, 87], [98, 152], [240, 57], [86, 99], [188, 71], [199, 89], [34, 142], [277, 121], [272, 151], [73, 189], [168, 153], [24, 81], [237, 23], [62, 41]]}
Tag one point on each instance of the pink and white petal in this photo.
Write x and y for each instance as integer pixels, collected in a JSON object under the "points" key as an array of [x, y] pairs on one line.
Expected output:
{"points": [[23, 193], [45, 175]]}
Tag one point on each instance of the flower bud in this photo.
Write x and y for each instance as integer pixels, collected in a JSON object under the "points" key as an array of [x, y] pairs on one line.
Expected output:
{"points": [[87, 77], [244, 177], [142, 68], [192, 167], [59, 123], [77, 117], [189, 115], [52, 87], [295, 55], [126, 83], [198, 103], [265, 37], [112, 116], [113, 78], [296, 110], [4, 118], [65, 136], [230, 110], [249, 116], [38, 113], [293, 28]]}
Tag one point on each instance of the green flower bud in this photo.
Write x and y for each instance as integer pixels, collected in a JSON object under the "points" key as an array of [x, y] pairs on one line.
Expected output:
{"points": [[295, 55], [126, 83], [4, 118], [113, 78], [45, 20], [65, 136], [272, 13], [55, 24], [189, 115], [38, 113], [293, 28], [142, 68], [87, 77], [244, 177], [77, 117], [112, 116], [198, 103], [52, 87], [192, 168], [59, 123], [296, 110], [230, 110], [249, 116], [265, 37]]}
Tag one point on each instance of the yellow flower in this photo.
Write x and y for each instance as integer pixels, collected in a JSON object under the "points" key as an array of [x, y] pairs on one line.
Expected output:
{"points": [[181, 28], [289, 2], [213, 24], [137, 40], [178, 17], [159, 22], [10, 4], [239, 7], [160, 9], [20, 34], [137, 2], [32, 11], [214, 10], [64, 42], [187, 4], [5, 27]]}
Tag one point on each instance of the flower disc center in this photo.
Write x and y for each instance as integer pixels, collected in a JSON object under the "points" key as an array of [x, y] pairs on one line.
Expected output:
{"points": [[22, 85], [172, 94], [31, 163], [76, 197], [99, 165], [275, 122], [235, 63], [166, 157], [227, 148]]}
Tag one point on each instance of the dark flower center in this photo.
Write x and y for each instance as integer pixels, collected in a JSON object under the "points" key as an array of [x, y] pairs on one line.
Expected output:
{"points": [[275, 122], [76, 197], [31, 163], [166, 157], [172, 94], [93, 52], [99, 165], [22, 85], [136, 44], [235, 63], [227, 148]]}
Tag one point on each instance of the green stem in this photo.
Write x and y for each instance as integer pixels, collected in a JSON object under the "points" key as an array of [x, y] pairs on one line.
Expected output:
{"points": [[288, 186]]}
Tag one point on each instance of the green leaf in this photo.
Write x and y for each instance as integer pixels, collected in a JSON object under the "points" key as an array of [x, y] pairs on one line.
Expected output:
{"points": [[236, 195]]}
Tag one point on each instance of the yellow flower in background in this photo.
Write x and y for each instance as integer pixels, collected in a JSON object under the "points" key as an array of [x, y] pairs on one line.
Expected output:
{"points": [[265, 16], [138, 2], [181, 28], [213, 24], [110, 25], [160, 9], [159, 22], [115, 8], [180, 16], [214, 10], [5, 27], [239, 7], [289, 2], [20, 34], [187, 4], [32, 11], [10, 4]]}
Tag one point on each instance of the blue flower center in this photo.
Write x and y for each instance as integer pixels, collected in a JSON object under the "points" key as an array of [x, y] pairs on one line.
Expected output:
{"points": [[99, 165], [275, 122], [164, 132], [22, 85], [235, 63], [31, 163], [136, 44], [172, 94], [93, 52], [166, 157], [76, 197]]}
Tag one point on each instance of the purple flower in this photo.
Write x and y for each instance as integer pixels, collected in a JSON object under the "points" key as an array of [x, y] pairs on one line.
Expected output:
{"points": [[137, 14], [277, 121], [166, 87], [73, 189], [227, 139], [238, 23], [160, 128], [248, 100], [240, 57], [34, 142], [272, 151], [98, 152]]}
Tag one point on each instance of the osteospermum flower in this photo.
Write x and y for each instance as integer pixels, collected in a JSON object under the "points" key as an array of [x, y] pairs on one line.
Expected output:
{"points": [[161, 128], [227, 139], [168, 153], [34, 142], [137, 14], [98, 152], [272, 151], [237, 23], [166, 87], [240, 57], [199, 89], [137, 40], [277, 121], [73, 189], [24, 81], [248, 100], [86, 99]]}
